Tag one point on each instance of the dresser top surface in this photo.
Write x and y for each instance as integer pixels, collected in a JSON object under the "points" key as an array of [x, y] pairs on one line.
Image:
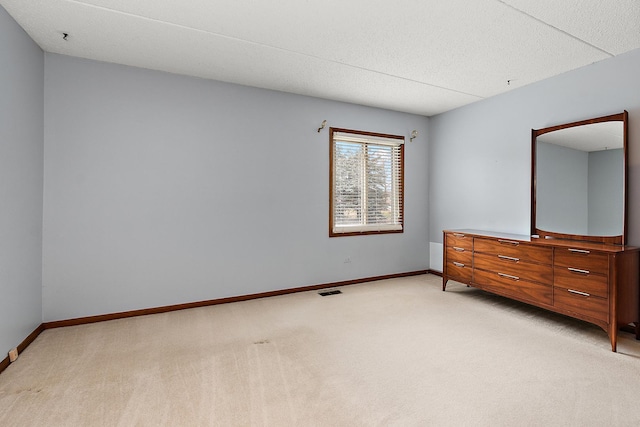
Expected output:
{"points": [[546, 242]]}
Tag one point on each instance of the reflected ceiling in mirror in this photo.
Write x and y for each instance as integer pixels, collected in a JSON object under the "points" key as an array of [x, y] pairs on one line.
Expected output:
{"points": [[590, 137], [579, 180]]}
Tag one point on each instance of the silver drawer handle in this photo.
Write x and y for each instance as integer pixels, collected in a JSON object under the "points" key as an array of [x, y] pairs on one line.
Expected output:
{"points": [[509, 258], [508, 276], [457, 249], [510, 242], [584, 294], [458, 264], [577, 270], [579, 251], [458, 234]]}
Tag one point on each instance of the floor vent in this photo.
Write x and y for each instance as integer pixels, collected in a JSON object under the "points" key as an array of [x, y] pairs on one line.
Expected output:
{"points": [[325, 293]]}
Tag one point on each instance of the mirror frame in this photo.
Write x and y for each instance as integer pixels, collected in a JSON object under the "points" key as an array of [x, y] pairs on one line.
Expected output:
{"points": [[550, 234]]}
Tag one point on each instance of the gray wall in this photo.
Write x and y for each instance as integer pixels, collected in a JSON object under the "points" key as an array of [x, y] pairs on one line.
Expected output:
{"points": [[162, 189], [562, 195], [606, 200], [21, 148], [145, 204], [480, 154]]}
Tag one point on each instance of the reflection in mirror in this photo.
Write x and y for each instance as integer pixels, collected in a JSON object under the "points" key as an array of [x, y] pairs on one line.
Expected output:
{"points": [[579, 180]]}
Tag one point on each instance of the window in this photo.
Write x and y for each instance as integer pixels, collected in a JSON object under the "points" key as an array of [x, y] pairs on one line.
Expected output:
{"points": [[366, 183]]}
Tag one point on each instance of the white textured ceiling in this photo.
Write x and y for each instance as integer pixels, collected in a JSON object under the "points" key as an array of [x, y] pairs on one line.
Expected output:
{"points": [[417, 56]]}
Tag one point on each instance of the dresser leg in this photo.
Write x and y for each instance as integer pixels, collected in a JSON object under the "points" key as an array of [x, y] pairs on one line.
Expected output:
{"points": [[444, 283], [613, 334], [637, 330]]}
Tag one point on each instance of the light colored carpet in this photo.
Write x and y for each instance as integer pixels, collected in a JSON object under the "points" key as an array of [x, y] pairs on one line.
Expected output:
{"points": [[393, 352]]}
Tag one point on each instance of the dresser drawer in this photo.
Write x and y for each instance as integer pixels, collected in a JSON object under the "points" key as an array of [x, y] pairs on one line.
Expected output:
{"points": [[459, 240], [589, 306], [514, 267], [520, 289], [514, 249], [459, 271], [591, 283], [594, 262], [458, 254]]}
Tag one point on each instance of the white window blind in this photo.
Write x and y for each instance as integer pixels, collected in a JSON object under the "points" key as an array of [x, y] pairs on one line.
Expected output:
{"points": [[367, 183]]}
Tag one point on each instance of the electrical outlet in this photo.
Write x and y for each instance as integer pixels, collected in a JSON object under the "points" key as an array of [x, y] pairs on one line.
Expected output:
{"points": [[13, 355], [347, 260]]}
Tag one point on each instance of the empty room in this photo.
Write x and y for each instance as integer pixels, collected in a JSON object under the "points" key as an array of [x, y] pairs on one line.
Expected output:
{"points": [[319, 213]]}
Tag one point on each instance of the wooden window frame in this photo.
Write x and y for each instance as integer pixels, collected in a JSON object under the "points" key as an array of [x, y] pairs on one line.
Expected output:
{"points": [[332, 233]]}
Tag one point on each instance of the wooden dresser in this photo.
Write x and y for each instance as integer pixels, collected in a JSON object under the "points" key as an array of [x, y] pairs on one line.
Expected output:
{"points": [[594, 282]]}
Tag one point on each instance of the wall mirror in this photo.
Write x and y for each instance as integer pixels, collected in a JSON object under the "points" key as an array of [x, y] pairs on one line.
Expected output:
{"points": [[579, 180]]}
